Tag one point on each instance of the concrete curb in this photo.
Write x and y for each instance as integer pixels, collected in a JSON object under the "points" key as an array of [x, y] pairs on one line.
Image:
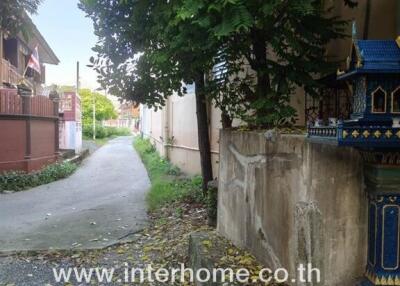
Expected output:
{"points": [[78, 158], [128, 238]]}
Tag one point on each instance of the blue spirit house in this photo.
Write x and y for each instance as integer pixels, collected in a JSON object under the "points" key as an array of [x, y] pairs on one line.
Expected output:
{"points": [[373, 70]]}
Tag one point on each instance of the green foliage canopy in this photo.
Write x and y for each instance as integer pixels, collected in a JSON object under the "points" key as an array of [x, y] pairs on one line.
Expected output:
{"points": [[145, 53], [263, 50], [104, 108], [13, 17], [269, 48]]}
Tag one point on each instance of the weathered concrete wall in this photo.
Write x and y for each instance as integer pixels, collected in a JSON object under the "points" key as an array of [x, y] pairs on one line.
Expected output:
{"points": [[290, 201]]}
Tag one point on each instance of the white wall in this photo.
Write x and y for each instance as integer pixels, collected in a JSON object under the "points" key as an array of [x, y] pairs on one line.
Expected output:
{"points": [[173, 131]]}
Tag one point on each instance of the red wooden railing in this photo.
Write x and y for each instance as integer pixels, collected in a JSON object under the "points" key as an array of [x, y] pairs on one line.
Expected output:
{"points": [[42, 106], [9, 74], [12, 103]]}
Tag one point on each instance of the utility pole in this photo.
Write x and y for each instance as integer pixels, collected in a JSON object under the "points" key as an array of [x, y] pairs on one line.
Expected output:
{"points": [[1, 58], [78, 84], [94, 115]]}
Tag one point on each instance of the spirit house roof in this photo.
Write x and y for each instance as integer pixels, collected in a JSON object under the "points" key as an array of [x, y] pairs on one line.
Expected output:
{"points": [[374, 70], [373, 56]]}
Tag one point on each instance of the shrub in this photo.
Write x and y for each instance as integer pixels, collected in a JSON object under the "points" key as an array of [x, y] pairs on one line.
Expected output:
{"points": [[19, 181], [114, 131], [101, 132], [104, 132], [212, 205]]}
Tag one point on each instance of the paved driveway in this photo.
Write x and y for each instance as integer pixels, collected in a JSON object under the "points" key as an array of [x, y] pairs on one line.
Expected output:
{"points": [[101, 204]]}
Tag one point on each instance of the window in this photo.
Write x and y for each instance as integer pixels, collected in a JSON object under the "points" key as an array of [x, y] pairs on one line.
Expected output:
{"points": [[396, 100], [379, 101]]}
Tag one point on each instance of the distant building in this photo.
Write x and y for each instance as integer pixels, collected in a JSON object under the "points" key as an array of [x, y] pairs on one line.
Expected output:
{"points": [[128, 117], [70, 122]]}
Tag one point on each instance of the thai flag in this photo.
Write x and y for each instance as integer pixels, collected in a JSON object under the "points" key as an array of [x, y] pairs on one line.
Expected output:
{"points": [[34, 61]]}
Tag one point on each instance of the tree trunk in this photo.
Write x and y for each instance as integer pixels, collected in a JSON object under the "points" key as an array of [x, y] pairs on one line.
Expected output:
{"points": [[260, 55], [203, 131], [367, 20], [263, 86], [226, 120]]}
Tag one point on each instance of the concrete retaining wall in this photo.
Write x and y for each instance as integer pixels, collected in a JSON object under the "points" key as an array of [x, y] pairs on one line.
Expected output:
{"points": [[290, 201]]}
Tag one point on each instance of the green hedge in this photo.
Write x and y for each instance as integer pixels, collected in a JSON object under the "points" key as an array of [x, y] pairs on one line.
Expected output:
{"points": [[105, 132], [19, 181]]}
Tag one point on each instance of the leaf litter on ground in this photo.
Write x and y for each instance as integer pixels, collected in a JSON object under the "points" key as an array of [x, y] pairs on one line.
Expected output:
{"points": [[163, 243]]}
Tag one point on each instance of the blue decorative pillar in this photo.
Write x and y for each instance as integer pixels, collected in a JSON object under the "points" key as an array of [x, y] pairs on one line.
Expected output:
{"points": [[373, 69], [382, 180]]}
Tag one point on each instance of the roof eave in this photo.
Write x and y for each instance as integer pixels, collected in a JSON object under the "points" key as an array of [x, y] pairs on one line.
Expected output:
{"points": [[350, 75], [52, 56]]}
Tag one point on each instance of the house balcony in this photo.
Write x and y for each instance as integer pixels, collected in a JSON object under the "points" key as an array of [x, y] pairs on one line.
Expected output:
{"points": [[10, 76]]}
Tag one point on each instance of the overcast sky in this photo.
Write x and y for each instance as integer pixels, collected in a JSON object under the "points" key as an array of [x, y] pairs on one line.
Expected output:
{"points": [[70, 35]]}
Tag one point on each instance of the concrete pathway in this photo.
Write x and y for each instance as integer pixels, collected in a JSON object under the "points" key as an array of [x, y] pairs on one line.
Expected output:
{"points": [[101, 204]]}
